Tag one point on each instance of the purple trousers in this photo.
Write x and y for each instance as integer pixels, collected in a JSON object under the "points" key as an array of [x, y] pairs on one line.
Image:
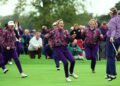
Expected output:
{"points": [[64, 54], [91, 54], [1, 60], [13, 54], [19, 47], [110, 53]]}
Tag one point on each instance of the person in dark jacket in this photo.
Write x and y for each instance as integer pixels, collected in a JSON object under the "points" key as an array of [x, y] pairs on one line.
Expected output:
{"points": [[102, 44], [25, 40], [18, 33]]}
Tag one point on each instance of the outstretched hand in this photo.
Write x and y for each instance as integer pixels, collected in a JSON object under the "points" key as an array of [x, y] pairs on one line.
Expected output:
{"points": [[111, 39]]}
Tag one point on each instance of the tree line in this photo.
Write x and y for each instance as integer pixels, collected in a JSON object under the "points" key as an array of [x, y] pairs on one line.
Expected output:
{"points": [[45, 12]]}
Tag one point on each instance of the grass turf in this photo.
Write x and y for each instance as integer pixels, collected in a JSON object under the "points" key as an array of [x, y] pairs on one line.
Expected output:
{"points": [[42, 72]]}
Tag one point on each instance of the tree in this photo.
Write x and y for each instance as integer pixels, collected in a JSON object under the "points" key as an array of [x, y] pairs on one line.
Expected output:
{"points": [[107, 17], [47, 11], [103, 18], [3, 1], [118, 5]]}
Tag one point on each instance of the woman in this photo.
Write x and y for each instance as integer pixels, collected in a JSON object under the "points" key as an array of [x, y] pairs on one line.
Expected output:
{"points": [[59, 40], [92, 36], [113, 38], [9, 48]]}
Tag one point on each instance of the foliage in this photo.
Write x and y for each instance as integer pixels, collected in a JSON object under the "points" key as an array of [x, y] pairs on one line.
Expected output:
{"points": [[107, 17], [118, 5], [45, 12]]}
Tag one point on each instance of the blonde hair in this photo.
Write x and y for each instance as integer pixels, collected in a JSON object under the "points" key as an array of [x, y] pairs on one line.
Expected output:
{"points": [[37, 33], [93, 21], [76, 25], [54, 23], [26, 31], [58, 21]]}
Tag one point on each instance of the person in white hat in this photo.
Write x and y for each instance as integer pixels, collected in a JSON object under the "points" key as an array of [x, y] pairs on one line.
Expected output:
{"points": [[9, 48]]}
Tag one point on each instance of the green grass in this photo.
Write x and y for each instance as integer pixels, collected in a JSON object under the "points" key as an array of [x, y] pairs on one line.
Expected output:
{"points": [[42, 72]]}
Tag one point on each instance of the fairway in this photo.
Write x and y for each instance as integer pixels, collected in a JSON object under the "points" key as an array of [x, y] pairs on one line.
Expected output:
{"points": [[42, 72]]}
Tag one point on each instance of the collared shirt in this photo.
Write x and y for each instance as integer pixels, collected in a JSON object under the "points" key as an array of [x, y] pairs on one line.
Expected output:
{"points": [[9, 39], [34, 43], [114, 27]]}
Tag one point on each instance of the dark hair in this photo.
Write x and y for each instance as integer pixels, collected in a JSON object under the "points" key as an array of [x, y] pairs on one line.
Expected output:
{"points": [[17, 22], [6, 25], [104, 23]]}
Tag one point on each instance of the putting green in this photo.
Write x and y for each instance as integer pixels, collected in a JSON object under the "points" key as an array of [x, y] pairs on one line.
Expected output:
{"points": [[42, 72]]}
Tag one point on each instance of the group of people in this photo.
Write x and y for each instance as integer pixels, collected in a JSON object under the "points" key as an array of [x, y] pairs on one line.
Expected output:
{"points": [[63, 45]]}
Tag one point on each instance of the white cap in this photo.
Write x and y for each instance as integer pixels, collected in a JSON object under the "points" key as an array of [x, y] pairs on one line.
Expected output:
{"points": [[11, 23]]}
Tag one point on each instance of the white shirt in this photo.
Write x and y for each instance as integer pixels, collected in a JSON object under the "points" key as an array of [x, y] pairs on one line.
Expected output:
{"points": [[34, 43]]}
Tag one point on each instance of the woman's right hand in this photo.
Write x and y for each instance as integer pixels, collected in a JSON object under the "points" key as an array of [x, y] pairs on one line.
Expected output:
{"points": [[8, 48]]}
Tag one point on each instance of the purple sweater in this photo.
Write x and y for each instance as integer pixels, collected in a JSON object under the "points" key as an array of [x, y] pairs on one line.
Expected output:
{"points": [[58, 38], [114, 27], [92, 36], [9, 39], [1, 37]]}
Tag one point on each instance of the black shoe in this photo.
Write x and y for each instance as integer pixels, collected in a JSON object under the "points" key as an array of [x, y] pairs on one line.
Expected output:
{"points": [[58, 69], [5, 71], [39, 57], [111, 78]]}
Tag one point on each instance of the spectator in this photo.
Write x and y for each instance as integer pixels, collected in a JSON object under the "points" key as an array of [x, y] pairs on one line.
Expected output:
{"points": [[25, 40], [102, 45], [35, 46], [75, 49]]}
